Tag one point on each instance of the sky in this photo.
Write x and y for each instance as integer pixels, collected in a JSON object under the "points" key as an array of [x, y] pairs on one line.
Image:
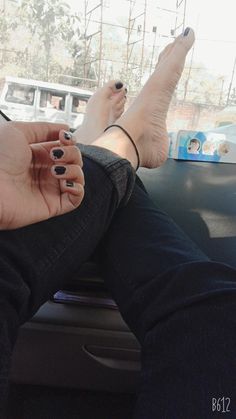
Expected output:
{"points": [[212, 20]]}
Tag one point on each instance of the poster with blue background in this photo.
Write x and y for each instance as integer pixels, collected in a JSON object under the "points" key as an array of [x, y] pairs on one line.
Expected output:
{"points": [[204, 146]]}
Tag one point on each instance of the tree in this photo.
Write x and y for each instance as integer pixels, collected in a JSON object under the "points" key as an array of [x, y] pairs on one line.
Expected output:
{"points": [[6, 25], [198, 85], [49, 22]]}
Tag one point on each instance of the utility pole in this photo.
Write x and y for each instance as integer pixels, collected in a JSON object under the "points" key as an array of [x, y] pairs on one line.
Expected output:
{"points": [[180, 25], [137, 38], [131, 23], [85, 38], [154, 30], [221, 90], [131, 43], [89, 37], [143, 40], [188, 77], [231, 83], [130, 27], [100, 46]]}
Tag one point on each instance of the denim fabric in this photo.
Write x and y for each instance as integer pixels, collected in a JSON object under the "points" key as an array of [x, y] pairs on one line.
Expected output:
{"points": [[180, 305], [115, 167], [182, 308], [35, 261]]}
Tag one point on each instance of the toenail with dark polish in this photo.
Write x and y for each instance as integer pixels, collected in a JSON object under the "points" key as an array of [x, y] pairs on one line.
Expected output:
{"points": [[126, 90], [57, 154], [60, 170], [186, 32], [119, 85], [67, 135], [69, 184]]}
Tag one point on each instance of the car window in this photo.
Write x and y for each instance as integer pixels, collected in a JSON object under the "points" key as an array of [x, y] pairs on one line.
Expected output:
{"points": [[86, 43], [20, 94], [78, 104], [52, 99]]}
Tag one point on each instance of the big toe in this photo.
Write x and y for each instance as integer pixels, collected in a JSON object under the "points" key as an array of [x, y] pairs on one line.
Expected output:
{"points": [[183, 43], [176, 51]]}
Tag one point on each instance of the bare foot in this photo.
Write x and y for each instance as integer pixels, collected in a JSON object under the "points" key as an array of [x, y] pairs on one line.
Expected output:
{"points": [[103, 109], [145, 120]]}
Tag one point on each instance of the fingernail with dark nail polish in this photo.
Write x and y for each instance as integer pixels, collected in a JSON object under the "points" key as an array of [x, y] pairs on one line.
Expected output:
{"points": [[60, 170], [67, 135], [186, 32], [119, 85], [69, 184], [57, 154]]}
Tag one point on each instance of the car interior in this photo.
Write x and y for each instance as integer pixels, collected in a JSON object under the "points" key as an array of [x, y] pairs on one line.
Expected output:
{"points": [[78, 340], [77, 358]]}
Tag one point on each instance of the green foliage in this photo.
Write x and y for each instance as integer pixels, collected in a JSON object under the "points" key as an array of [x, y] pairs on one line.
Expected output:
{"points": [[198, 85], [7, 24], [4, 29], [49, 23]]}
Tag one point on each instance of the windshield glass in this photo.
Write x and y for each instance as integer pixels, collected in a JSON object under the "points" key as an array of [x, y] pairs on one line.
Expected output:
{"points": [[85, 43]]}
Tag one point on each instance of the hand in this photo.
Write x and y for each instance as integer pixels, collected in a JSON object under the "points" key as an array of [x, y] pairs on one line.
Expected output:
{"points": [[30, 189]]}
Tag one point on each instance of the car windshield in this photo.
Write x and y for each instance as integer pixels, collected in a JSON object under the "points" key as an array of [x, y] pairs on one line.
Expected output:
{"points": [[82, 44]]}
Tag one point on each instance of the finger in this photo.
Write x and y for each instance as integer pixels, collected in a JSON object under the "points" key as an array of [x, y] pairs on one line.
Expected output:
{"points": [[71, 187], [69, 154], [71, 172], [36, 132], [66, 138], [72, 195]]}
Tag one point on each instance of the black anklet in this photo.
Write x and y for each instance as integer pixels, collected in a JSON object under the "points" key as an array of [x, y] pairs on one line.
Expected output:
{"points": [[132, 141]]}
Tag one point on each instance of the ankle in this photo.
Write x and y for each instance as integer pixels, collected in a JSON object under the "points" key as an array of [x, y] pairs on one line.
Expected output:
{"points": [[130, 139], [117, 141]]}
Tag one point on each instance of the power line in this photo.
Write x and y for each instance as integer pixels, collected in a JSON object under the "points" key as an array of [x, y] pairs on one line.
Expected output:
{"points": [[216, 40], [136, 35]]}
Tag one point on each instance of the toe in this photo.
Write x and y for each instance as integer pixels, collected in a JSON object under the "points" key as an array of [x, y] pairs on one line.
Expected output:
{"points": [[118, 97], [117, 86], [171, 62], [179, 47], [121, 103], [165, 52], [106, 91], [111, 88], [119, 108], [183, 43]]}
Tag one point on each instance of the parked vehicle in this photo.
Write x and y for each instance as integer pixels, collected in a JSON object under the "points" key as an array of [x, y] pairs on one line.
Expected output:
{"points": [[32, 100]]}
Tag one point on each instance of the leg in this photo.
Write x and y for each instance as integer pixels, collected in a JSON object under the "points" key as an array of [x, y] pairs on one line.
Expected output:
{"points": [[180, 305], [103, 108], [36, 260], [24, 287]]}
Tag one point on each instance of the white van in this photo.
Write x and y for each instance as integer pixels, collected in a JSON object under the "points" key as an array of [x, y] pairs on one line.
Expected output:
{"points": [[32, 100]]}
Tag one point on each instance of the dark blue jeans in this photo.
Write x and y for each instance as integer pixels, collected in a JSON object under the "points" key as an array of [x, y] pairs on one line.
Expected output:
{"points": [[182, 308], [37, 260], [180, 305]]}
